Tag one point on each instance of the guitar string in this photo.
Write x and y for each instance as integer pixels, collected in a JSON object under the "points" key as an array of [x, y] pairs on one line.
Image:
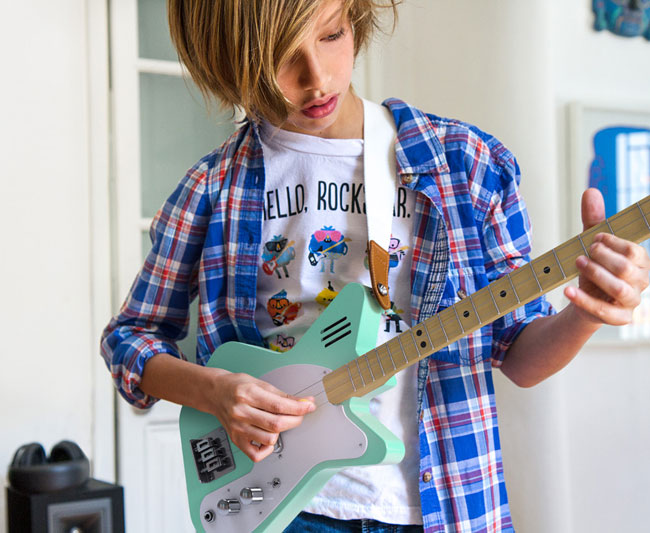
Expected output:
{"points": [[345, 384], [238, 452]]}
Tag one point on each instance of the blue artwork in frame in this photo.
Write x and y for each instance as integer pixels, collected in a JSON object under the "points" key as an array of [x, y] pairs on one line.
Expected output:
{"points": [[620, 168], [627, 18]]}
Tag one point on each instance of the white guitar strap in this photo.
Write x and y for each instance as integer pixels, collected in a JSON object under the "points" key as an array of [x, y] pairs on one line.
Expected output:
{"points": [[380, 182]]}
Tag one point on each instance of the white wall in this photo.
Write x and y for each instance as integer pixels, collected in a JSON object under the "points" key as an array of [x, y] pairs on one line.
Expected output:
{"points": [[49, 344], [575, 447]]}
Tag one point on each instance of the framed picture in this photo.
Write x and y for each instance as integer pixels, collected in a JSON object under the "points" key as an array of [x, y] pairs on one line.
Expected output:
{"points": [[609, 149]]}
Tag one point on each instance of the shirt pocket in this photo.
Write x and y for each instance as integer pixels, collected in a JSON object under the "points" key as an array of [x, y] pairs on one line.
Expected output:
{"points": [[476, 346]]}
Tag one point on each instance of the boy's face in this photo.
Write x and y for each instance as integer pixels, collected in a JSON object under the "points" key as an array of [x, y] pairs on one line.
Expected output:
{"points": [[317, 80]]}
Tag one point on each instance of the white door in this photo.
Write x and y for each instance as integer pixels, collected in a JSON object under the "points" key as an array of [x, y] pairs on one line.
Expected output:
{"points": [[160, 129]]}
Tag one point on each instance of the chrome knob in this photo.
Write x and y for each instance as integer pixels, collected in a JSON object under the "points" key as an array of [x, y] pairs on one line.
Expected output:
{"points": [[251, 495], [226, 507]]}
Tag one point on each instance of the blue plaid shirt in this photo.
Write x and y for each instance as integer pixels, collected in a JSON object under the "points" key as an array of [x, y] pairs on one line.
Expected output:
{"points": [[470, 228]]}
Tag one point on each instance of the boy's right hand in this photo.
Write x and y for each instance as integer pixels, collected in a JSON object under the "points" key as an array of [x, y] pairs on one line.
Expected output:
{"points": [[254, 412]]}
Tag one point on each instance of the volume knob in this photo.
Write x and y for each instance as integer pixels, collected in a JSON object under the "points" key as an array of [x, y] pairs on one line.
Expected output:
{"points": [[226, 507], [251, 495]]}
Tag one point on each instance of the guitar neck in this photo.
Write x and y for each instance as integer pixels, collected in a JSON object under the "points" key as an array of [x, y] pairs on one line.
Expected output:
{"points": [[372, 369]]}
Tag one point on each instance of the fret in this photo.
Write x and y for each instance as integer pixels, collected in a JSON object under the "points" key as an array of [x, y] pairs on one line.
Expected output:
{"points": [[513, 288], [493, 300], [610, 227], [402, 349], [484, 305], [467, 313], [435, 331], [536, 278], [443, 328], [547, 275], [415, 343], [475, 311], [363, 381], [381, 367], [369, 369], [503, 293], [527, 283], [559, 264], [351, 379], [583, 246], [403, 339], [462, 329], [418, 333], [567, 254], [643, 215], [390, 356], [627, 225], [451, 322]]}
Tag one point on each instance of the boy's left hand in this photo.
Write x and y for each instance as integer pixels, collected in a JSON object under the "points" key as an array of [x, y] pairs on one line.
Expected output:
{"points": [[612, 278]]}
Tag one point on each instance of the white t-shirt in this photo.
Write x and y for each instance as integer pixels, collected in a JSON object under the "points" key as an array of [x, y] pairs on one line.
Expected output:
{"points": [[314, 242]]}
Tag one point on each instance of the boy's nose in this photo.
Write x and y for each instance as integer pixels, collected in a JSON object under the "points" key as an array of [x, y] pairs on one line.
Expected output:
{"points": [[313, 74]]}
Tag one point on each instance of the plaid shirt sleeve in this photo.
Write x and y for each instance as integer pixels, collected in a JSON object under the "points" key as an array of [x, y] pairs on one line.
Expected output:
{"points": [[507, 233], [156, 312]]}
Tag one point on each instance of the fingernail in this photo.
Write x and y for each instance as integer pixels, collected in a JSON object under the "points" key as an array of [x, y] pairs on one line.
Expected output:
{"points": [[581, 261]]}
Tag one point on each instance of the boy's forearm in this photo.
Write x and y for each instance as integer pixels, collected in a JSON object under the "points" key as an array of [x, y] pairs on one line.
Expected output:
{"points": [[545, 346], [169, 378]]}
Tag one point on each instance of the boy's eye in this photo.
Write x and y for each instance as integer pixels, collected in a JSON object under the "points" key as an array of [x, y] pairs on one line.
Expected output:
{"points": [[335, 36]]}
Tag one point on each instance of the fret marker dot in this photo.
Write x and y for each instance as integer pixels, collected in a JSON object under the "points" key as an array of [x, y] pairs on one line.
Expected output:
{"points": [[466, 314], [423, 344], [503, 294], [418, 332], [547, 269]]}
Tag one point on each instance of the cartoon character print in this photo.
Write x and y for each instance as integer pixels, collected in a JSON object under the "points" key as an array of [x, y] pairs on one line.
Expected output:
{"points": [[278, 253], [395, 251], [392, 316], [325, 297], [282, 343], [281, 310], [327, 243]]}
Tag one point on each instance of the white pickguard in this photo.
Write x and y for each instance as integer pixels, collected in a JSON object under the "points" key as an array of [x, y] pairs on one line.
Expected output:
{"points": [[324, 435]]}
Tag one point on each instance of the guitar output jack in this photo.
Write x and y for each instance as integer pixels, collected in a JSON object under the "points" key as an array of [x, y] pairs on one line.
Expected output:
{"points": [[208, 516]]}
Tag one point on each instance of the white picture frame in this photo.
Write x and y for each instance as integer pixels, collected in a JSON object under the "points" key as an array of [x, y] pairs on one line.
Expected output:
{"points": [[585, 120]]}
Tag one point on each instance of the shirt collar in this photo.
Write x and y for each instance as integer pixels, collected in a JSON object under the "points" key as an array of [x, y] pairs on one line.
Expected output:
{"points": [[418, 149]]}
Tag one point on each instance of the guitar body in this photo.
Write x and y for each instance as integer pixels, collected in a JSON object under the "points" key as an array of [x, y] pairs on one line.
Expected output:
{"points": [[226, 490]]}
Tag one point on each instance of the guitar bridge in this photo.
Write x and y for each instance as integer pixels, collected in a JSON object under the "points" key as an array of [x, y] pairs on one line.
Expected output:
{"points": [[335, 331], [212, 455]]}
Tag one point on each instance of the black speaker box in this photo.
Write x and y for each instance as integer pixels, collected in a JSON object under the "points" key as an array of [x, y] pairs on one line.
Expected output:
{"points": [[93, 507]]}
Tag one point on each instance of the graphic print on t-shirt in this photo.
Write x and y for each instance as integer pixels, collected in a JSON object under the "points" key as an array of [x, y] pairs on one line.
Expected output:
{"points": [[327, 244], [325, 297], [281, 343], [278, 253], [281, 310]]}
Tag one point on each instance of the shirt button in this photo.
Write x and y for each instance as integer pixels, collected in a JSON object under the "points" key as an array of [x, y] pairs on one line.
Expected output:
{"points": [[461, 294], [408, 178], [427, 477]]}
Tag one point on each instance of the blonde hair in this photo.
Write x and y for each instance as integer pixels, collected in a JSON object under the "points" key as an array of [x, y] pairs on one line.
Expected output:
{"points": [[233, 49]]}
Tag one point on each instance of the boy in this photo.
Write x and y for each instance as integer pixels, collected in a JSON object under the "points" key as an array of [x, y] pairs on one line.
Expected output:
{"points": [[290, 179]]}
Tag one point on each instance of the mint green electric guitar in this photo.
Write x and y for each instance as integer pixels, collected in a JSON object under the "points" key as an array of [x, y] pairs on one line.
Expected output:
{"points": [[336, 362]]}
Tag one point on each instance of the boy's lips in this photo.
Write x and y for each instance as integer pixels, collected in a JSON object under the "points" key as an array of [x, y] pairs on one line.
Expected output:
{"points": [[320, 108]]}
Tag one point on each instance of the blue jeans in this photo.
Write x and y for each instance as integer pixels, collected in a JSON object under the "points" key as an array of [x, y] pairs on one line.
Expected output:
{"points": [[314, 523]]}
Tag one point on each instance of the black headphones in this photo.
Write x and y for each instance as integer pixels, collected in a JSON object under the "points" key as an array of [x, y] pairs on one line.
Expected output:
{"points": [[31, 471]]}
